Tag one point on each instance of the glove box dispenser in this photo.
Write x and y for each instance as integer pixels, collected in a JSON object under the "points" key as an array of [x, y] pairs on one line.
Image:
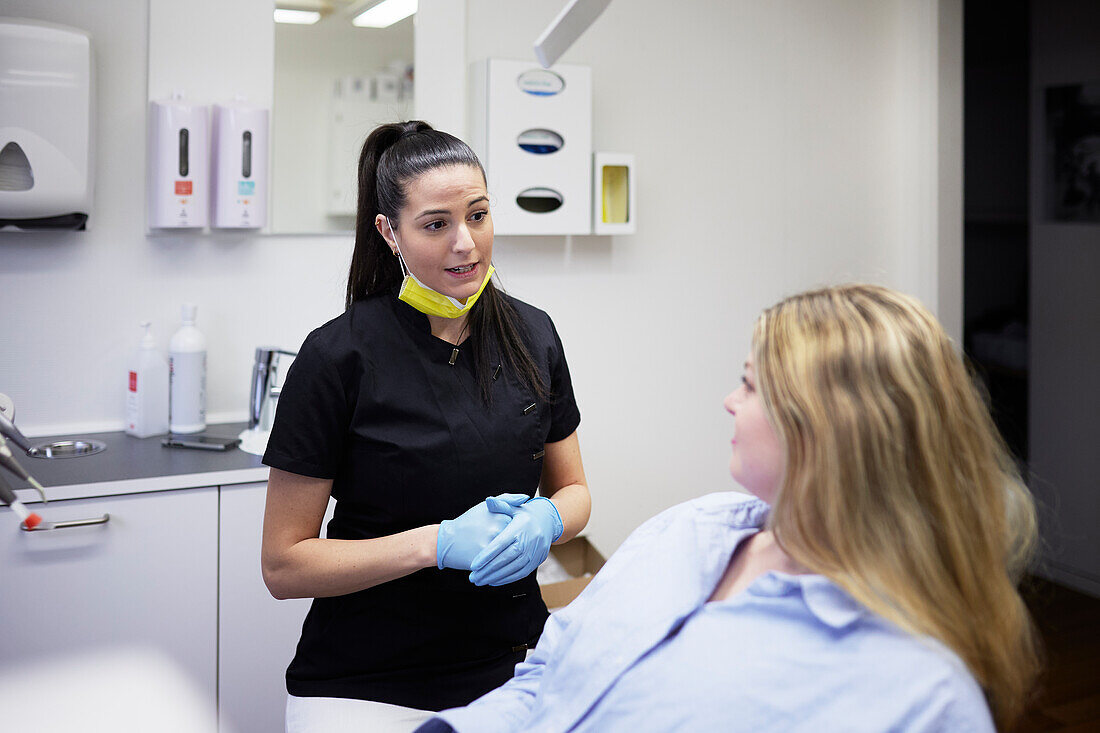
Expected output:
{"points": [[46, 142], [532, 129]]}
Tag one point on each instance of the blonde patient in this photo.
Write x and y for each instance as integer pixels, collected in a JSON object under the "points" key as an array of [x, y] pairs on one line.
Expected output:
{"points": [[868, 584]]}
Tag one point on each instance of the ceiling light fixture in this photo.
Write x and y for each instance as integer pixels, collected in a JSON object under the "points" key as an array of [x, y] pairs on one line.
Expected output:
{"points": [[298, 17], [385, 14]]}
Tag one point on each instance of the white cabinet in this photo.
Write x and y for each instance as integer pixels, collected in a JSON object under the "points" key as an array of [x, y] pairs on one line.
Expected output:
{"points": [[258, 634], [146, 577], [176, 571]]}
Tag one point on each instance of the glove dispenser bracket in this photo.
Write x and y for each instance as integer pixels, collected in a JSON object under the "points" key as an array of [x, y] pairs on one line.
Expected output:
{"points": [[532, 129]]}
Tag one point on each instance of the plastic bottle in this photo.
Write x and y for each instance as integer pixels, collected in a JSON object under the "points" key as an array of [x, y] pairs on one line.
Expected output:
{"points": [[147, 393], [187, 370]]}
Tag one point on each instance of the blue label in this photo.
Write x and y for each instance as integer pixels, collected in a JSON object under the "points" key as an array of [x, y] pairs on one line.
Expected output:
{"points": [[246, 188], [541, 82]]}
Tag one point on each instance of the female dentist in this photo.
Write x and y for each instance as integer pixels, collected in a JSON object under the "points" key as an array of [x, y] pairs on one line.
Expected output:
{"points": [[431, 392]]}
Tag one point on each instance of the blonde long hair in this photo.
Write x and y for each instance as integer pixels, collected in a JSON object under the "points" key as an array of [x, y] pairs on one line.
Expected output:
{"points": [[898, 486]]}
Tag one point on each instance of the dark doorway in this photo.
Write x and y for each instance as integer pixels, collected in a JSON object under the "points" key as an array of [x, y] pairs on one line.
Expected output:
{"points": [[995, 235]]}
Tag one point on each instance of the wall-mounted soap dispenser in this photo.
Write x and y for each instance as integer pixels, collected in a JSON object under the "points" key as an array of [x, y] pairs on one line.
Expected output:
{"points": [[532, 129], [179, 188], [240, 167], [46, 135]]}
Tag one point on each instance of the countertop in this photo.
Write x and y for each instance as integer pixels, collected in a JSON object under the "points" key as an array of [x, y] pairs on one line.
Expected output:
{"points": [[134, 465]]}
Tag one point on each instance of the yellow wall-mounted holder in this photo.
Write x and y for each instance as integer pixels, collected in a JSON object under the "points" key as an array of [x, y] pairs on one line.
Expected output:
{"points": [[613, 207]]}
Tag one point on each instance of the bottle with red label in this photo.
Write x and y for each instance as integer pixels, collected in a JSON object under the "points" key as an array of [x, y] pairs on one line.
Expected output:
{"points": [[147, 389]]}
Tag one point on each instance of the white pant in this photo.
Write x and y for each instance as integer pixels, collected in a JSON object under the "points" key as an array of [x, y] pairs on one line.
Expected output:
{"points": [[340, 715]]}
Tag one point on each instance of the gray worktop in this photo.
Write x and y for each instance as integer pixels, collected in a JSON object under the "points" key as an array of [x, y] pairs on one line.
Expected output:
{"points": [[133, 465]]}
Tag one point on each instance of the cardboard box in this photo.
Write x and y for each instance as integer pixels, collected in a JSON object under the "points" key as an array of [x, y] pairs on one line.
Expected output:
{"points": [[582, 561]]}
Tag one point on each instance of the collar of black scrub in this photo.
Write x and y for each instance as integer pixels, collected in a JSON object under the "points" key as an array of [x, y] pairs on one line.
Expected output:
{"points": [[419, 323], [408, 314]]}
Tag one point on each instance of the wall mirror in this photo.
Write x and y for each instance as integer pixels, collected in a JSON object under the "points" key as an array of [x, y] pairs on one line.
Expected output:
{"points": [[334, 82]]}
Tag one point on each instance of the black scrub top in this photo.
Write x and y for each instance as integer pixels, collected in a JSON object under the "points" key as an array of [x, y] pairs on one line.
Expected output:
{"points": [[373, 402]]}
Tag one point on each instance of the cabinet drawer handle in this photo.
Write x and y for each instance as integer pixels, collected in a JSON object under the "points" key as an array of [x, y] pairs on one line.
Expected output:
{"points": [[68, 523]]}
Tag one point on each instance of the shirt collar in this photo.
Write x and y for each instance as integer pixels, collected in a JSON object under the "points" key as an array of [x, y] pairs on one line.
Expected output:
{"points": [[751, 513], [408, 314], [827, 601]]}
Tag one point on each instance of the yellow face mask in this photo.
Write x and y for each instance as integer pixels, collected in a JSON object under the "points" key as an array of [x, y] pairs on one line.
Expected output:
{"points": [[431, 302]]}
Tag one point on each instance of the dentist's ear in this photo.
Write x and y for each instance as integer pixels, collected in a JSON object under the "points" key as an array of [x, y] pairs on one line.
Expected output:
{"points": [[382, 224]]}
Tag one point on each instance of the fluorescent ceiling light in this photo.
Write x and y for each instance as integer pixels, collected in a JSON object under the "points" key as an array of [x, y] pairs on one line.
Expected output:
{"points": [[299, 17], [385, 14]]}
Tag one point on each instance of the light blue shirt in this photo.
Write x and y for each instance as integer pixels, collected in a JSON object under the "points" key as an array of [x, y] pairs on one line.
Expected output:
{"points": [[641, 649]]}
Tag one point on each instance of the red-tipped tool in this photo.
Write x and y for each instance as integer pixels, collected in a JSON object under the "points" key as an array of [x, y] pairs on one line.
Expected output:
{"points": [[7, 495]]}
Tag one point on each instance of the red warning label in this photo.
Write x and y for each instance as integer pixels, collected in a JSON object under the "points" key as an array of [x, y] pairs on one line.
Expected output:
{"points": [[133, 381], [183, 188]]}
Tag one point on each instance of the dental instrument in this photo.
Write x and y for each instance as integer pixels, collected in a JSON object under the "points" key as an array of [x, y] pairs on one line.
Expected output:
{"points": [[7, 427], [7, 495], [7, 460]]}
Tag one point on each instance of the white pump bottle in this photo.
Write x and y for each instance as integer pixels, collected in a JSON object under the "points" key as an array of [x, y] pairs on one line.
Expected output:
{"points": [[187, 363]]}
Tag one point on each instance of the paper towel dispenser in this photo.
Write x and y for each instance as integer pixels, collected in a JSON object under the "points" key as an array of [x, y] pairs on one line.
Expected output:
{"points": [[46, 142]]}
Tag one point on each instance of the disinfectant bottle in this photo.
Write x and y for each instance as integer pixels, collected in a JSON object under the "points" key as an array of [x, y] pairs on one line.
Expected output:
{"points": [[187, 369], [147, 393]]}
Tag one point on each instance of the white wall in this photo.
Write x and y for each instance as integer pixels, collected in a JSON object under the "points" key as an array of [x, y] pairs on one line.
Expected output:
{"points": [[776, 150], [1063, 398]]}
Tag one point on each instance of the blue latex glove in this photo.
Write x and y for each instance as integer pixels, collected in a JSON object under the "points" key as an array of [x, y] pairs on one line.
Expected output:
{"points": [[521, 546], [462, 538]]}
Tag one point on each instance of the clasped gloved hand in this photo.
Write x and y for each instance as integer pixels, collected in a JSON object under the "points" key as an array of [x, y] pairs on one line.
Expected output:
{"points": [[462, 538], [521, 546]]}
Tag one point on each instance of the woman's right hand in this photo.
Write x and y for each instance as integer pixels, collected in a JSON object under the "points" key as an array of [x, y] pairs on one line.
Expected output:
{"points": [[462, 538]]}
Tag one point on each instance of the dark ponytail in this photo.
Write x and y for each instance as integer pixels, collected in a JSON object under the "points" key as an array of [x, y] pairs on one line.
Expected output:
{"points": [[373, 266], [393, 155]]}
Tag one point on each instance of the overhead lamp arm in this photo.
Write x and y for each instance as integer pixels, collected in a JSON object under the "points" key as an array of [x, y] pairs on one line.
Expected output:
{"points": [[572, 21]]}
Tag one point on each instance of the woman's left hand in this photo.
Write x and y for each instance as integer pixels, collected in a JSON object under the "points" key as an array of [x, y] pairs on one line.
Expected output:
{"points": [[521, 546]]}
